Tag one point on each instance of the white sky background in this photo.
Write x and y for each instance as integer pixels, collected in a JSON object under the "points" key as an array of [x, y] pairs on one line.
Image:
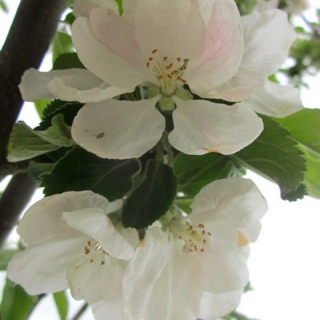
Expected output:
{"points": [[285, 261]]}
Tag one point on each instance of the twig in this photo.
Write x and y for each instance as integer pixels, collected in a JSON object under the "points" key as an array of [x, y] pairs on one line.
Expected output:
{"points": [[12, 201], [28, 40], [80, 312]]}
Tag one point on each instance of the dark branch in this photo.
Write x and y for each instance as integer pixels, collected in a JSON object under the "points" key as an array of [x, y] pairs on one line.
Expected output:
{"points": [[13, 200], [28, 40]]}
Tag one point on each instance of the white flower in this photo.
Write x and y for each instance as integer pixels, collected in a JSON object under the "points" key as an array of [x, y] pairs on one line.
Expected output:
{"points": [[165, 45], [71, 242], [290, 6], [196, 264]]}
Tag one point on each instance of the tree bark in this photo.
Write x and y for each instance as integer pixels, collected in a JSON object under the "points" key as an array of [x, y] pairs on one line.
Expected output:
{"points": [[28, 40]]}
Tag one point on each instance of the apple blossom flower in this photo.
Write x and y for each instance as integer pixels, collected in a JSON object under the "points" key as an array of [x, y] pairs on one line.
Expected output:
{"points": [[194, 264], [71, 242], [291, 6], [166, 45]]}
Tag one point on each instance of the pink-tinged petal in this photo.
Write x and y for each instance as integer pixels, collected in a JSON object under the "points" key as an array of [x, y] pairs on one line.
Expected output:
{"points": [[173, 28], [275, 100], [265, 50], [82, 8], [201, 126], [223, 49], [42, 268], [48, 212], [100, 60], [106, 26], [96, 225], [143, 271], [118, 129], [215, 306], [234, 202]]}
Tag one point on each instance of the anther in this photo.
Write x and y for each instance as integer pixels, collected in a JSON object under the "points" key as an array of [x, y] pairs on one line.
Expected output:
{"points": [[154, 51]]}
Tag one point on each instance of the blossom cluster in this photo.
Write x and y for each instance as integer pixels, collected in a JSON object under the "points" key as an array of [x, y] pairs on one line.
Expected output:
{"points": [[206, 68], [195, 265]]}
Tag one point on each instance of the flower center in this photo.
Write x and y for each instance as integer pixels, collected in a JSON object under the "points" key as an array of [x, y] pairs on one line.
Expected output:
{"points": [[94, 252], [194, 237], [168, 72]]}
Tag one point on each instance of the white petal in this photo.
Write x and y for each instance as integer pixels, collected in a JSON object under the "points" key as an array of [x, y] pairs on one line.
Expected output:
{"points": [[223, 49], [215, 306], [95, 223], [174, 28], [265, 47], [228, 270], [201, 126], [143, 270], [100, 60], [118, 129], [275, 100], [91, 281], [265, 50], [82, 89], [42, 268], [42, 221], [68, 85], [234, 201]]}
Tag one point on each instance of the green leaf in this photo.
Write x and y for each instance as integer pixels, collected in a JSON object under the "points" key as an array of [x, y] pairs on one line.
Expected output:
{"points": [[152, 198], [299, 193], [62, 43], [120, 7], [3, 6], [67, 61], [304, 127], [16, 303], [40, 106], [5, 257], [312, 175], [80, 170], [275, 155], [61, 301], [68, 109], [194, 172], [27, 143]]}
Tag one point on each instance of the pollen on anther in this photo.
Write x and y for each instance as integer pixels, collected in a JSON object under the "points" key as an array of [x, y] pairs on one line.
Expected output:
{"points": [[165, 59], [168, 75], [150, 59], [208, 233], [201, 226], [178, 59], [182, 80], [89, 243], [148, 64], [86, 250], [154, 51], [91, 260], [169, 66], [102, 263], [201, 250]]}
